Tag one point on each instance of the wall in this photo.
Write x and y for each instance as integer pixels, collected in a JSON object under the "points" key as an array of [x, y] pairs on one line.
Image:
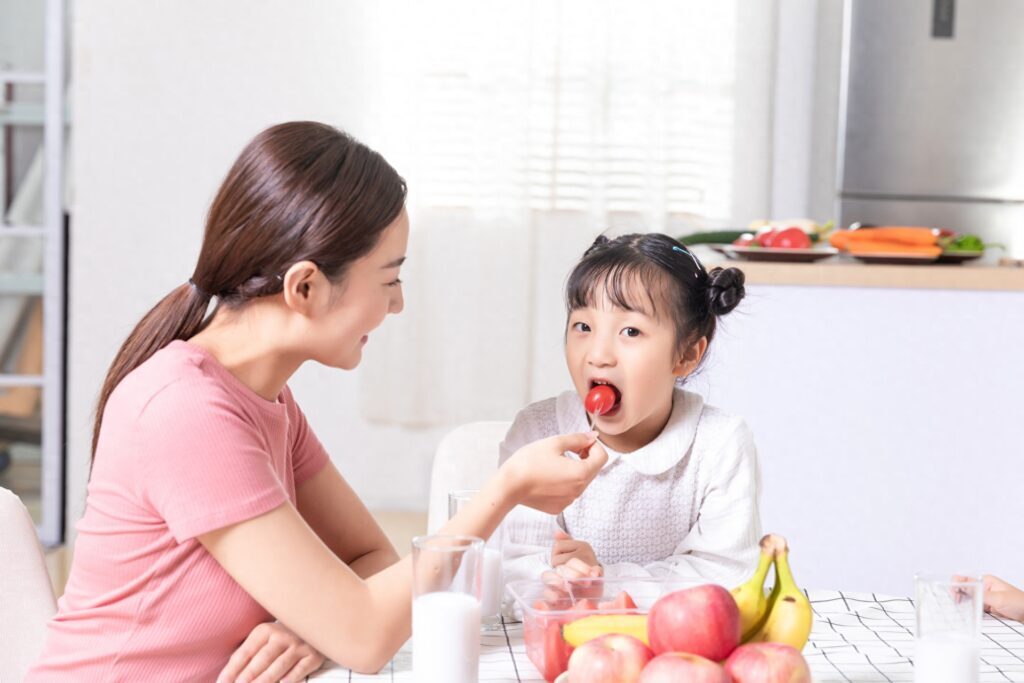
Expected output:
{"points": [[166, 94]]}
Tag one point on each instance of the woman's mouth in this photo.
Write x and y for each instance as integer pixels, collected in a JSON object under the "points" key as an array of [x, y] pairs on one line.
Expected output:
{"points": [[365, 339]]}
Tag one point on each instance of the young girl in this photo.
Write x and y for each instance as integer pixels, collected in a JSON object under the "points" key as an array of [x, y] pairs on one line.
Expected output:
{"points": [[1003, 599], [212, 508], [679, 494]]}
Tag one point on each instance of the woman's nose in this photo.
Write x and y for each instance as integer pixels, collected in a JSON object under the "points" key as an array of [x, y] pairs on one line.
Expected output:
{"points": [[397, 301]]}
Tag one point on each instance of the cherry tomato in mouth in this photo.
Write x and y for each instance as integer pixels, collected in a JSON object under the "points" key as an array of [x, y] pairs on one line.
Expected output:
{"points": [[600, 400]]}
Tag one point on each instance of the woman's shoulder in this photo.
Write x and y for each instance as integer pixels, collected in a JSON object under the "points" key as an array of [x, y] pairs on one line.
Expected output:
{"points": [[178, 380]]}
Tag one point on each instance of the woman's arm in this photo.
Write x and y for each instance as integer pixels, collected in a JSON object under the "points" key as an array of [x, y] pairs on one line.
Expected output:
{"points": [[333, 510], [282, 563]]}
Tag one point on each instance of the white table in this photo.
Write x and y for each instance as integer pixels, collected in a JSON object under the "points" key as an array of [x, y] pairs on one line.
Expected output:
{"points": [[857, 638]]}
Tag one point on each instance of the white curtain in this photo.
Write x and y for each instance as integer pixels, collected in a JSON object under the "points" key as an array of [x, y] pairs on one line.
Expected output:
{"points": [[525, 129]]}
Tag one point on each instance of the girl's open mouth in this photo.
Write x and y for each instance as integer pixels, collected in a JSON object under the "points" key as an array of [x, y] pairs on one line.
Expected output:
{"points": [[594, 407]]}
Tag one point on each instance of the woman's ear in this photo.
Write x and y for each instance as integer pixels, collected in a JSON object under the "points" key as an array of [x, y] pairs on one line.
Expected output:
{"points": [[303, 287], [690, 358]]}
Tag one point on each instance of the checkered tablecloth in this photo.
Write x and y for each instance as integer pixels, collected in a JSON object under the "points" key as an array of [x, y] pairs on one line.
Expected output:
{"points": [[857, 638]]}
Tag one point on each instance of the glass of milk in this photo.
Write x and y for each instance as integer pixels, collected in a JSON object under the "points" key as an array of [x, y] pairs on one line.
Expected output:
{"points": [[446, 608], [492, 577], [948, 638]]}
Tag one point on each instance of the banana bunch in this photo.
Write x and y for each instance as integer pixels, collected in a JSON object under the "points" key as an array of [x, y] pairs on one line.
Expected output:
{"points": [[785, 616]]}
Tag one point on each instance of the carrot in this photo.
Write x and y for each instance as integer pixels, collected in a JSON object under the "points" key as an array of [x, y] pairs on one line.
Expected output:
{"points": [[901, 234], [840, 239], [884, 247]]}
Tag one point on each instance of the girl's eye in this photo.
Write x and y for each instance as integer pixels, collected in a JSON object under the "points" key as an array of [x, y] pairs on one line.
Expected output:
{"points": [[395, 283], [631, 332], [581, 327]]}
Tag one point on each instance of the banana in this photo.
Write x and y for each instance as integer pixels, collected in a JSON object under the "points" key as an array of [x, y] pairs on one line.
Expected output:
{"points": [[790, 616], [750, 597]]}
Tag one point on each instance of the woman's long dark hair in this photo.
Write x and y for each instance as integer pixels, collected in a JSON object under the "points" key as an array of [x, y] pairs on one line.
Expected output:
{"points": [[298, 191]]}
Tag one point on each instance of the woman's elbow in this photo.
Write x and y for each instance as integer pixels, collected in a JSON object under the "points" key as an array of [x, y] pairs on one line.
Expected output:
{"points": [[370, 663]]}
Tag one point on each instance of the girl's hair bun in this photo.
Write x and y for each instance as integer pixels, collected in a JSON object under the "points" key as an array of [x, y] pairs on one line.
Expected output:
{"points": [[599, 242], [725, 290]]}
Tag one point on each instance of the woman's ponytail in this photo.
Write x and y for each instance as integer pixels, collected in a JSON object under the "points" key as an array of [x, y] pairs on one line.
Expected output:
{"points": [[179, 315]]}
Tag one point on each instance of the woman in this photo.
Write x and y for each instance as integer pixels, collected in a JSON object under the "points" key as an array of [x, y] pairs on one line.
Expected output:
{"points": [[212, 508]]}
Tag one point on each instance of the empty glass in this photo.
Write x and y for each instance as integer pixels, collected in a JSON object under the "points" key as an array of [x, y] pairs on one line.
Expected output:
{"points": [[492, 577]]}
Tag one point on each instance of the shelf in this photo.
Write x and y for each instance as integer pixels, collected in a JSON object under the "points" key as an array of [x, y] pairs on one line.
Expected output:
{"points": [[22, 77], [21, 284], [840, 274], [24, 114]]}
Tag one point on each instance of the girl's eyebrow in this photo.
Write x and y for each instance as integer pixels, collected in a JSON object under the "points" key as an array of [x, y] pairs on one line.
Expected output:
{"points": [[394, 264]]}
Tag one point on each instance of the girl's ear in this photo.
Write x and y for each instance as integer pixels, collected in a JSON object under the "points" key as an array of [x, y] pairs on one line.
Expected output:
{"points": [[303, 286], [690, 358]]}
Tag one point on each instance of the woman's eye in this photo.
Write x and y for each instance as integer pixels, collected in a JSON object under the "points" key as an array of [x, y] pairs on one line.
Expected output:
{"points": [[395, 283], [631, 332], [581, 327]]}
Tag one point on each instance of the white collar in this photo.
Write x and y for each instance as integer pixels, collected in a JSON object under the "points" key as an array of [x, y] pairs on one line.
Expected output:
{"points": [[661, 454]]}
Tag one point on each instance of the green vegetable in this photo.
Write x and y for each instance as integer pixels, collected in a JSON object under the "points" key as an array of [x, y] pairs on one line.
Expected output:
{"points": [[964, 243], [712, 237]]}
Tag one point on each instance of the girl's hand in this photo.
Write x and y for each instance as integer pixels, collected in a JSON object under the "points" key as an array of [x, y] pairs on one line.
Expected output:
{"points": [[570, 578], [540, 476], [566, 548], [271, 653], [1002, 599]]}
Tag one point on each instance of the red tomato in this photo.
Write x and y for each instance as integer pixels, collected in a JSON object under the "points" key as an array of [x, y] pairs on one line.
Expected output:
{"points": [[765, 237], [790, 238], [745, 240], [599, 400]]}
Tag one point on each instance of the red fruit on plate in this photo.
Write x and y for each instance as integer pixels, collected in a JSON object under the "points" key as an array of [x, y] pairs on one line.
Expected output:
{"points": [[767, 663], [745, 240], [600, 400], [790, 238], [614, 658], [675, 667], [703, 620], [764, 237]]}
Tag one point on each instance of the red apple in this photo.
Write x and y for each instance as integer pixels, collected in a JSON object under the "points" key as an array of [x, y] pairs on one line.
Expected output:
{"points": [[673, 667], [614, 658], [767, 663], [703, 620]]}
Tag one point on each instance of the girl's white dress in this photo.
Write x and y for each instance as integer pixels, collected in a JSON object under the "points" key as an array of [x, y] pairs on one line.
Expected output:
{"points": [[685, 504]]}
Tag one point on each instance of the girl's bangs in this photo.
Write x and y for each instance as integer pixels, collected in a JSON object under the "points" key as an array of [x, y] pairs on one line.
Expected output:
{"points": [[623, 285]]}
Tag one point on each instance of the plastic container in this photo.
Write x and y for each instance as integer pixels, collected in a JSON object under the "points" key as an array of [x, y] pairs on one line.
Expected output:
{"points": [[546, 607]]}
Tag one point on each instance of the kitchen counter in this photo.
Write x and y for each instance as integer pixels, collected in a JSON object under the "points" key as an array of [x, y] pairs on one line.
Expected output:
{"points": [[837, 273]]}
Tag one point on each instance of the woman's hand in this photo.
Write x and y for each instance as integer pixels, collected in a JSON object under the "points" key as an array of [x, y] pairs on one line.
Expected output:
{"points": [[540, 476], [271, 653], [1003, 599]]}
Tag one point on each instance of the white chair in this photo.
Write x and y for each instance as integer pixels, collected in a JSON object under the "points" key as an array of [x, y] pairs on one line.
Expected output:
{"points": [[26, 596], [466, 458]]}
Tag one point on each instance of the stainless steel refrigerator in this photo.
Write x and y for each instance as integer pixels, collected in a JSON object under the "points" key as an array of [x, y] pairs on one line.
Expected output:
{"points": [[931, 127]]}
